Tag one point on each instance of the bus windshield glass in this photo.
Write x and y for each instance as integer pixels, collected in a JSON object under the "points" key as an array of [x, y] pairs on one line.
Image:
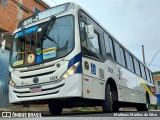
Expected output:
{"points": [[43, 42]]}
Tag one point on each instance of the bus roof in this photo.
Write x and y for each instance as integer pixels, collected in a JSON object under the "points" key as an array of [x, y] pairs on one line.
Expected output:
{"points": [[44, 14], [60, 9]]}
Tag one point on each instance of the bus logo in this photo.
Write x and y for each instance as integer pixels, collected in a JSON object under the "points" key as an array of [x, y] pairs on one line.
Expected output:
{"points": [[86, 65], [31, 58], [35, 80]]}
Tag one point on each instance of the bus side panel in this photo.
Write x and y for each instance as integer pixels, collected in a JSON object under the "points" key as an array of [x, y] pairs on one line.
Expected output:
{"points": [[129, 89], [93, 79]]}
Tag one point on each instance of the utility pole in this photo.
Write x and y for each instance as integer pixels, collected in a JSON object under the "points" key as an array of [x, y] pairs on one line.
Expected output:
{"points": [[144, 61]]}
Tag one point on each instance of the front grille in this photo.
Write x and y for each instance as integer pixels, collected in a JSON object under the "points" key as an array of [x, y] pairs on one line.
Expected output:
{"points": [[36, 68], [42, 89], [37, 75], [38, 95], [52, 90]]}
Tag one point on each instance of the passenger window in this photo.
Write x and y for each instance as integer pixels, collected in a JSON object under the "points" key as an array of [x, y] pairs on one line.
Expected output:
{"points": [[151, 77], [91, 47], [93, 44], [117, 52], [108, 46], [143, 71], [82, 32], [111, 46], [122, 56], [129, 61], [136, 65], [147, 75]]}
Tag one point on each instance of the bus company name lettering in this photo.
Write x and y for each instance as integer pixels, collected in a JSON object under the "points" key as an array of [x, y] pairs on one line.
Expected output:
{"points": [[53, 78], [110, 70]]}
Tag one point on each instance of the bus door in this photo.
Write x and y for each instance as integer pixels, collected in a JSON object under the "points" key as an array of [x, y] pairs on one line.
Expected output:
{"points": [[92, 57]]}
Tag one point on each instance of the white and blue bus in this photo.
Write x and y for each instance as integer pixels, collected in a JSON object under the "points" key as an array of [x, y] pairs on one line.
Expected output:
{"points": [[64, 57]]}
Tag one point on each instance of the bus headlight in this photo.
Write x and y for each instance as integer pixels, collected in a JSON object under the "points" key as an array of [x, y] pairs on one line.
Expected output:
{"points": [[11, 83], [70, 71]]}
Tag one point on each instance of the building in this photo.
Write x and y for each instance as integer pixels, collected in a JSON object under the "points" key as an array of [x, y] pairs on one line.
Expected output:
{"points": [[156, 77], [11, 12]]}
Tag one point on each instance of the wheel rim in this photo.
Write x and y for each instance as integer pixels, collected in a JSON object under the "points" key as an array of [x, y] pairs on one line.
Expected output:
{"points": [[147, 104], [111, 97]]}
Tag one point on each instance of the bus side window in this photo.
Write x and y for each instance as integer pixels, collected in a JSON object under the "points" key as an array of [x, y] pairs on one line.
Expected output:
{"points": [[123, 56], [83, 33], [137, 69], [142, 71], [129, 61], [151, 77], [90, 47], [108, 46], [93, 44], [147, 75], [117, 53]]}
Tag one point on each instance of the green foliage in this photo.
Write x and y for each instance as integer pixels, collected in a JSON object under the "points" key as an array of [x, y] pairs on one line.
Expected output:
{"points": [[153, 107]]}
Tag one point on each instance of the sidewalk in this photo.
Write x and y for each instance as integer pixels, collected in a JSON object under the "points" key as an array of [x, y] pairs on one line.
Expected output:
{"points": [[44, 107]]}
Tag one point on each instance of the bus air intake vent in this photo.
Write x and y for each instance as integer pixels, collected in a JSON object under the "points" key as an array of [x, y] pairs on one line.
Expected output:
{"points": [[101, 73]]}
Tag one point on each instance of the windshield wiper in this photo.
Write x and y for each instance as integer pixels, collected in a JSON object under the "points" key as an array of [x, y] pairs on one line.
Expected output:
{"points": [[25, 35], [47, 29], [51, 39]]}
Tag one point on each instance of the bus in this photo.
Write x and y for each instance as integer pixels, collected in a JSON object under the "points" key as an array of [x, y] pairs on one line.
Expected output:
{"points": [[64, 57]]}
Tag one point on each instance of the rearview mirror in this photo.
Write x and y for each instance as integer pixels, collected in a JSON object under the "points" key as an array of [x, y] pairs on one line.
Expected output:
{"points": [[4, 36], [3, 45], [89, 31], [3, 42]]}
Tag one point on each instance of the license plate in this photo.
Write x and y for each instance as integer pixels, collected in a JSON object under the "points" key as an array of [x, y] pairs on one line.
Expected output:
{"points": [[35, 89]]}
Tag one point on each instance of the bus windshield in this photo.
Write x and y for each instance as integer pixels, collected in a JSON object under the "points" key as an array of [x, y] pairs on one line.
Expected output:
{"points": [[43, 42]]}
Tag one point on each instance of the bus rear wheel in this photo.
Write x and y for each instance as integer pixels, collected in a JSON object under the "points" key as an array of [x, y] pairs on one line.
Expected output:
{"points": [[144, 107], [55, 108], [110, 102]]}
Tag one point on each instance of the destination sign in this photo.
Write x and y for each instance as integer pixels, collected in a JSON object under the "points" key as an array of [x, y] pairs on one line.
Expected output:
{"points": [[44, 14]]}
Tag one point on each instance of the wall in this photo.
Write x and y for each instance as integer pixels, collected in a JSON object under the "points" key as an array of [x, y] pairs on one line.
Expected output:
{"points": [[11, 14], [156, 77], [4, 62]]}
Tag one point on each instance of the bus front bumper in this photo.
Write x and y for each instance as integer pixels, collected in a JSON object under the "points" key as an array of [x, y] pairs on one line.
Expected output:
{"points": [[67, 88]]}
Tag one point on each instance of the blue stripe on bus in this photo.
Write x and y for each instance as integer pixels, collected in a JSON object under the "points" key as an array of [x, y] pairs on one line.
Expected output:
{"points": [[75, 59], [26, 31], [10, 75]]}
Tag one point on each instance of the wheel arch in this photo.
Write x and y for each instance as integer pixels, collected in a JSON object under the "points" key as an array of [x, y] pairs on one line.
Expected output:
{"points": [[113, 84], [147, 96]]}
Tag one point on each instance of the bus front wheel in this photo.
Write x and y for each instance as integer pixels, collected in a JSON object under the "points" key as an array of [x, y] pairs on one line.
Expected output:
{"points": [[55, 108], [110, 102]]}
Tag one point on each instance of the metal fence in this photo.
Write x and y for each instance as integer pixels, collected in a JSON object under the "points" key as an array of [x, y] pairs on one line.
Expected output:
{"points": [[4, 64]]}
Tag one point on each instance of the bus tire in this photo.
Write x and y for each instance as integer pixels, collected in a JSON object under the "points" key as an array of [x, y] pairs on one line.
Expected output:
{"points": [[144, 107], [109, 104], [55, 108]]}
